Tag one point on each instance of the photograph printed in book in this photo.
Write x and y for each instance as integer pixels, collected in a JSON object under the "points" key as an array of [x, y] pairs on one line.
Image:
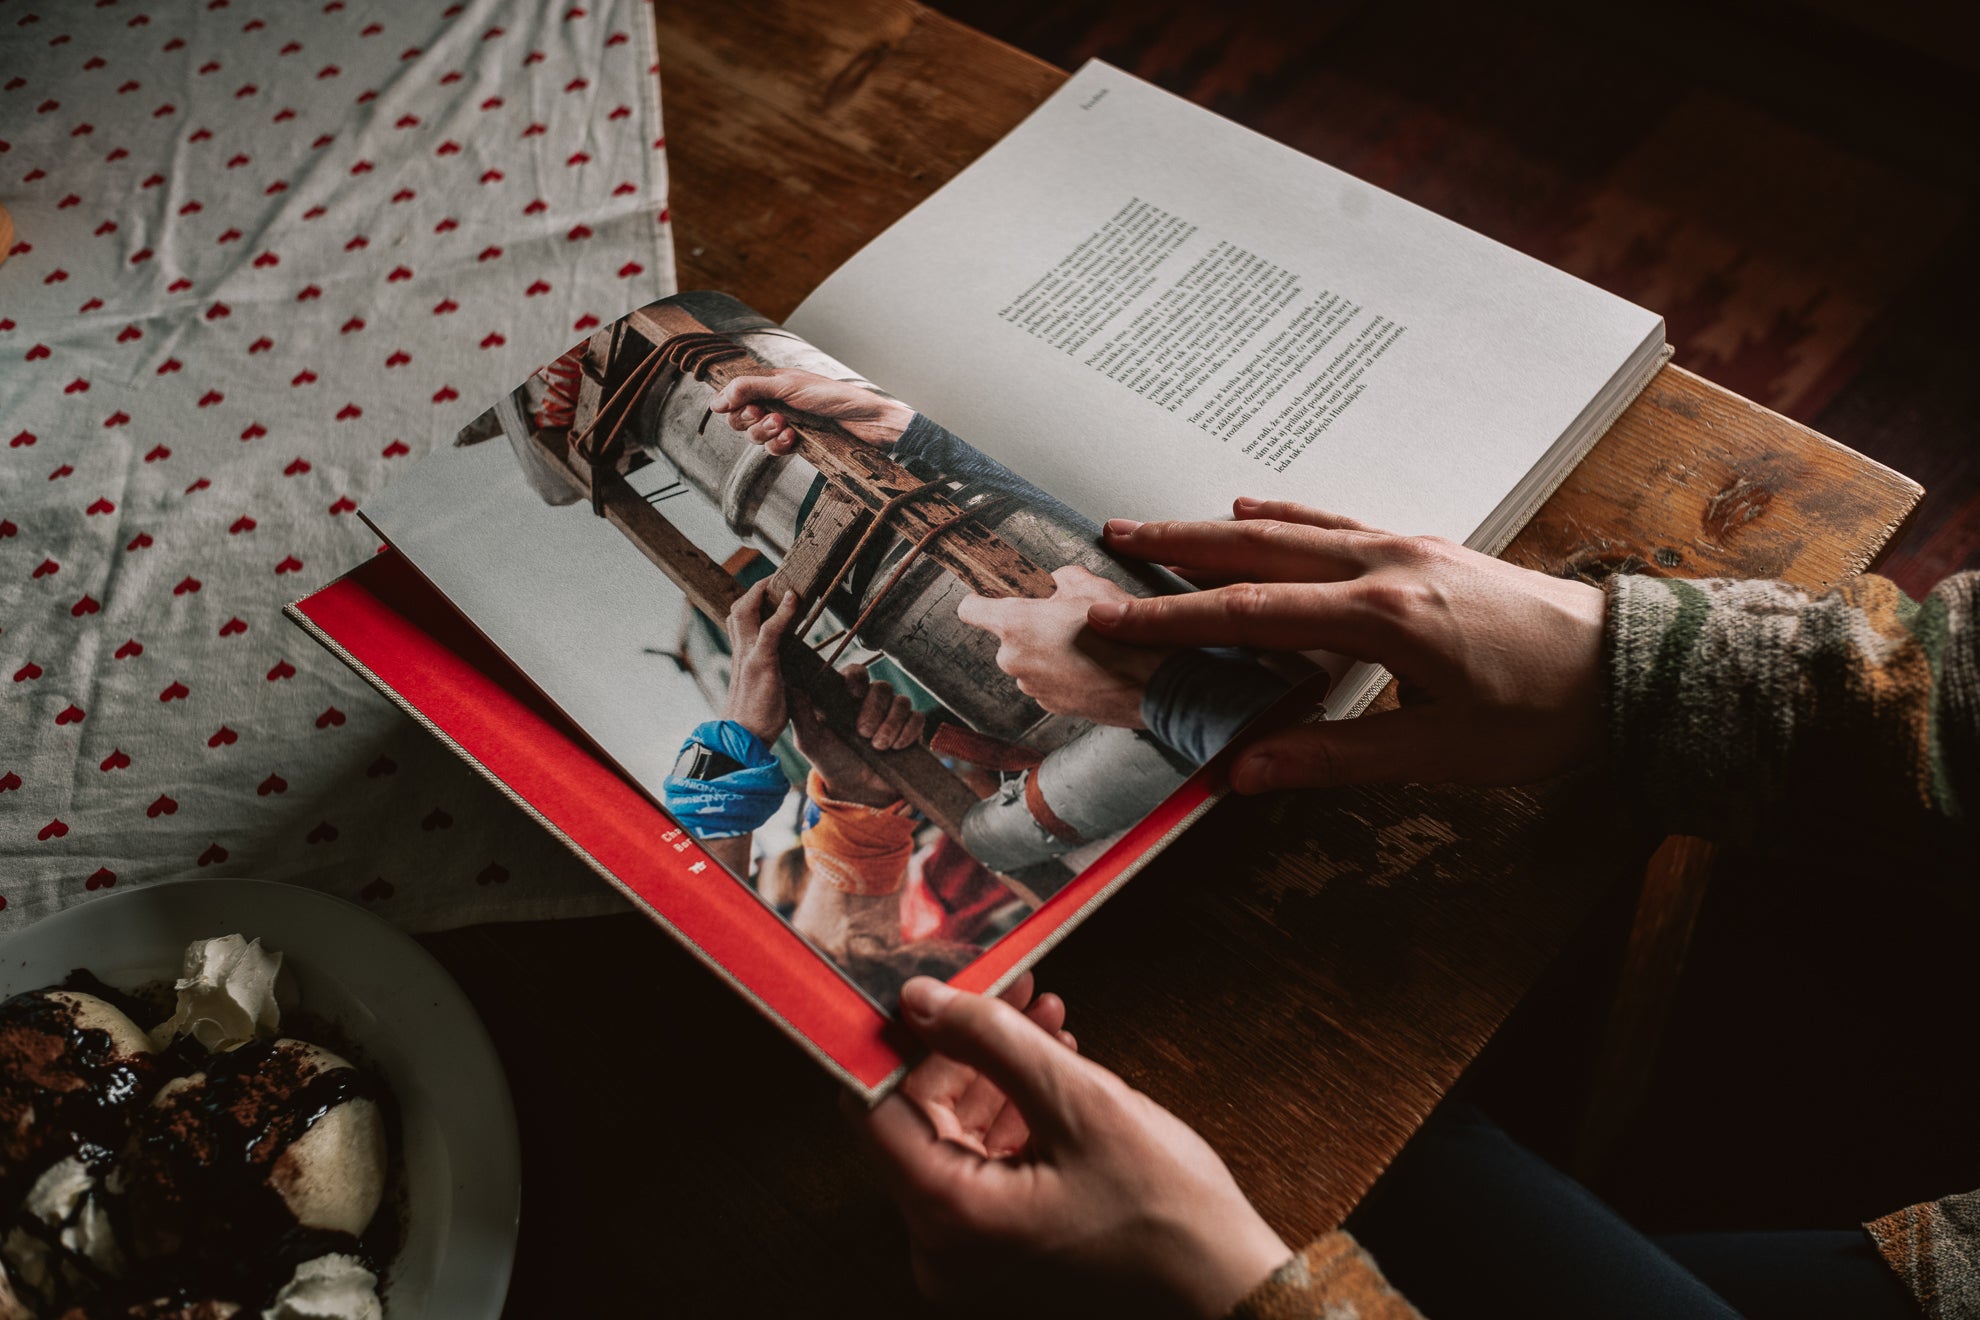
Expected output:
{"points": [[884, 713]]}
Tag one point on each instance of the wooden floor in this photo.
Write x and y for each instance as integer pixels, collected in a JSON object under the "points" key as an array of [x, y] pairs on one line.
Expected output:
{"points": [[1797, 195]]}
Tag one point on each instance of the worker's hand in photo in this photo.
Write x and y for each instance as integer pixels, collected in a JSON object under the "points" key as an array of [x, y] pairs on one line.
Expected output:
{"points": [[887, 722], [1035, 1182], [1059, 662], [1499, 666], [756, 682], [758, 405]]}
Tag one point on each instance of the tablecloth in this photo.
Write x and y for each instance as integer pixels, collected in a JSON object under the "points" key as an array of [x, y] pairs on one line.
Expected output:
{"points": [[267, 254]]}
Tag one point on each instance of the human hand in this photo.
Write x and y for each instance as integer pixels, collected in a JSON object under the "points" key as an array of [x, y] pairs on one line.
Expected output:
{"points": [[1058, 661], [749, 404], [1033, 1180], [887, 721], [756, 679], [1499, 666]]}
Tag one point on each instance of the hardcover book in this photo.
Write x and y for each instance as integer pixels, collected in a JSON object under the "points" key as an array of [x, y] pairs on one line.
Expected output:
{"points": [[781, 627]]}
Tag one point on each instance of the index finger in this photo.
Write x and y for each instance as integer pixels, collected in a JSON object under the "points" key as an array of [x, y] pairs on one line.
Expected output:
{"points": [[1288, 616], [1251, 550]]}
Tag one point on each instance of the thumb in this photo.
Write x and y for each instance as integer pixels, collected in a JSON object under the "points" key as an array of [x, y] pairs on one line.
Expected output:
{"points": [[1395, 746], [1041, 1076]]}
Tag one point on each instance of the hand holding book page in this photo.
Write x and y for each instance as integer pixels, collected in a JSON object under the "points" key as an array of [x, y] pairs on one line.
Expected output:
{"points": [[1499, 666]]}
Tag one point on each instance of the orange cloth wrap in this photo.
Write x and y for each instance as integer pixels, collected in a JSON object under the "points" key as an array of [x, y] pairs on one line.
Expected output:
{"points": [[857, 849]]}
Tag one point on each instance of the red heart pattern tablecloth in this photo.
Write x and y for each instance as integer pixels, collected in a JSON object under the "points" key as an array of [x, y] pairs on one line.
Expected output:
{"points": [[267, 254]]}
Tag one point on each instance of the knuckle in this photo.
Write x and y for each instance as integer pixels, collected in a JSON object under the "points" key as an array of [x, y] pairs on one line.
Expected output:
{"points": [[1246, 600]]}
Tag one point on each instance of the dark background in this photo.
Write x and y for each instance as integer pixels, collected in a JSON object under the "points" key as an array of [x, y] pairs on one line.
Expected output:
{"points": [[1792, 186]]}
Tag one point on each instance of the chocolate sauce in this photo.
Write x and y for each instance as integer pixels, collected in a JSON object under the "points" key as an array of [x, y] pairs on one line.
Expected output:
{"points": [[62, 1085]]}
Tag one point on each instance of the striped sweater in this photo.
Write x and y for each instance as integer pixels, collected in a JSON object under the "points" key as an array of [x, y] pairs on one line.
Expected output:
{"points": [[1733, 706]]}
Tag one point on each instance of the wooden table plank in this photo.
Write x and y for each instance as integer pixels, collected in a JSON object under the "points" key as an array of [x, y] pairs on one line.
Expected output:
{"points": [[1301, 978]]}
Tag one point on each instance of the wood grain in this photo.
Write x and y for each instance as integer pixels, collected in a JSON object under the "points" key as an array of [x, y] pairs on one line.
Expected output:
{"points": [[1302, 978]]}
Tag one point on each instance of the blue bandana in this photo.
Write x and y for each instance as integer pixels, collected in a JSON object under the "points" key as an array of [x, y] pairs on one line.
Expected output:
{"points": [[732, 804]]}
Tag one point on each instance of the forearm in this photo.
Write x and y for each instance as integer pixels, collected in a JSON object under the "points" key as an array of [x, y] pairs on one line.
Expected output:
{"points": [[929, 450], [1732, 701]]}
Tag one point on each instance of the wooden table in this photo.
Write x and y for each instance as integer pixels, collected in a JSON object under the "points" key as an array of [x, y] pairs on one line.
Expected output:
{"points": [[1301, 978]]}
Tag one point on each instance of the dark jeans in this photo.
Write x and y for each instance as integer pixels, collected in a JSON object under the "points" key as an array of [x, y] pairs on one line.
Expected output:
{"points": [[1468, 1223]]}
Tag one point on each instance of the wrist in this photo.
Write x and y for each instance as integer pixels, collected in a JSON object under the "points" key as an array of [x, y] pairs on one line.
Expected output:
{"points": [[1224, 1269]]}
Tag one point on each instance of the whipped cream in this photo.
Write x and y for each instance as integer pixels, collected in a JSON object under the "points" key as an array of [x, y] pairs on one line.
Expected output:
{"points": [[226, 991]]}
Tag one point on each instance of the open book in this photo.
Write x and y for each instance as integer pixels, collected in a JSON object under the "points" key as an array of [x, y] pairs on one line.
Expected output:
{"points": [[816, 696]]}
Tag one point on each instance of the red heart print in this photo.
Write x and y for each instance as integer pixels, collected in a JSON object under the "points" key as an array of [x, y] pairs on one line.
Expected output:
{"points": [[218, 312], [344, 504], [297, 466], [201, 484], [491, 176], [493, 874], [169, 365], [241, 524], [575, 13], [27, 671], [55, 276], [316, 211], [67, 202], [223, 737], [324, 832], [152, 181], [210, 398], [266, 260], [447, 226], [576, 85], [403, 195], [349, 412], [9, 782], [488, 254], [157, 454], [398, 273], [284, 115], [130, 648], [491, 34], [254, 431], [362, 167], [76, 386], [192, 207], [303, 377], [492, 103], [117, 760], [272, 784], [493, 341], [118, 418], [108, 226], [65, 470], [186, 585], [211, 66], [537, 207], [54, 829], [398, 359], [620, 112], [128, 333], [579, 158], [99, 506], [7, 528], [87, 605], [446, 394], [164, 806], [175, 691], [328, 71], [535, 130], [214, 854], [539, 286], [289, 564], [579, 233], [101, 878], [630, 269], [309, 291], [384, 765], [138, 542], [585, 322], [141, 256], [378, 890], [625, 189], [437, 819], [46, 568], [261, 345], [283, 669], [444, 306], [228, 236], [407, 121], [331, 716], [448, 148], [239, 159], [357, 244], [352, 326], [70, 714], [232, 628], [397, 449], [180, 285], [38, 352], [247, 90]]}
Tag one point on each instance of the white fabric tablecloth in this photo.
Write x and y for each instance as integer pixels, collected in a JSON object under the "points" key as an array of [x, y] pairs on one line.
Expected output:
{"points": [[267, 254]]}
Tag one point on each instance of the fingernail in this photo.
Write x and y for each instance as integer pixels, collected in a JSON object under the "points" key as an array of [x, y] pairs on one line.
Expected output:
{"points": [[1106, 613], [790, 597], [924, 998], [1246, 502], [1252, 775], [1121, 526]]}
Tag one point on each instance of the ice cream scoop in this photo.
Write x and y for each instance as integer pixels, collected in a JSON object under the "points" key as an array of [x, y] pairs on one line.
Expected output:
{"points": [[269, 1150], [72, 1068]]}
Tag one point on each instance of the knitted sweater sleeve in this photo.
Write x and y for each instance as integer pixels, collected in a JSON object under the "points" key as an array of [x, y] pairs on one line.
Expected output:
{"points": [[1733, 703], [1333, 1279]]}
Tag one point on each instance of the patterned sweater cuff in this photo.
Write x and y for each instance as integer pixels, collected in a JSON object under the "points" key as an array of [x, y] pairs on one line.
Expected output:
{"points": [[1935, 1250], [1332, 1278]]}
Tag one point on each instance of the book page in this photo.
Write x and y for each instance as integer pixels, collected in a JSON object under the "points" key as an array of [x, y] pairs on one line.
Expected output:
{"points": [[1153, 311]]}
